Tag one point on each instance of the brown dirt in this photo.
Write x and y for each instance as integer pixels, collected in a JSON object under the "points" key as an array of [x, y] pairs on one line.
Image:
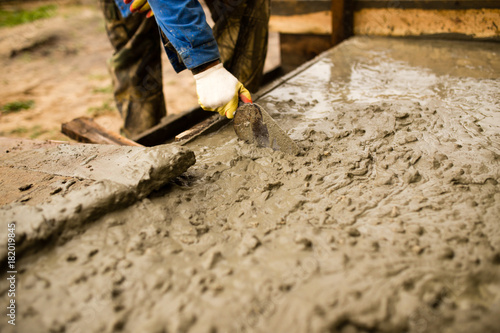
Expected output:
{"points": [[60, 64]]}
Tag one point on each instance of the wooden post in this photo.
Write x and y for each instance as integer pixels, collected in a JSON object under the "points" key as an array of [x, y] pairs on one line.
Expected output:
{"points": [[342, 20]]}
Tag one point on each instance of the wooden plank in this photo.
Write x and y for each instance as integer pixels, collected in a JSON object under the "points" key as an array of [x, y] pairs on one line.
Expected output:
{"points": [[171, 126], [312, 23], [85, 129], [427, 4], [298, 7], [199, 128], [471, 23]]}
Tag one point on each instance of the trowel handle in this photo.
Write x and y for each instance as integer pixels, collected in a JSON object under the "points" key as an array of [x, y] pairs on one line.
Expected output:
{"points": [[243, 99]]}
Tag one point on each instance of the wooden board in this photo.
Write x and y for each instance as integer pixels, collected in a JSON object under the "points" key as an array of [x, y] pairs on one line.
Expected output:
{"points": [[171, 126], [201, 128], [426, 4], [471, 23], [85, 129], [298, 7], [311, 23]]}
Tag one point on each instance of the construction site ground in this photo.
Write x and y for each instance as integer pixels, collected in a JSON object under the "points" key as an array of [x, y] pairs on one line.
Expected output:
{"points": [[387, 221]]}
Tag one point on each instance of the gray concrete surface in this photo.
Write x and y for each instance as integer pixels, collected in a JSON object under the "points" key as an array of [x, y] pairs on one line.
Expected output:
{"points": [[388, 221], [50, 189]]}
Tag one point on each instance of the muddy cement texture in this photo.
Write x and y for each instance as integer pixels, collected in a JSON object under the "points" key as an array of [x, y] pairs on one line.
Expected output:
{"points": [[74, 184], [388, 221]]}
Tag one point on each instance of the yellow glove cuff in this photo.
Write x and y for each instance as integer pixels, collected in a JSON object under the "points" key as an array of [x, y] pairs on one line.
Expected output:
{"points": [[140, 6], [228, 109]]}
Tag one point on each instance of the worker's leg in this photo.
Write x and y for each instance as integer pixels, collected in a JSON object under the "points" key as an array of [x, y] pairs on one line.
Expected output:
{"points": [[241, 31], [135, 68]]}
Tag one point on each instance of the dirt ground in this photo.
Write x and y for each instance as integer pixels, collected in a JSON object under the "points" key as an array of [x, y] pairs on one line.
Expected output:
{"points": [[60, 64]]}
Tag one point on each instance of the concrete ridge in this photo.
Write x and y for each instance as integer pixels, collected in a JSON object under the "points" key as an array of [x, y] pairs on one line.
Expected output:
{"points": [[119, 176]]}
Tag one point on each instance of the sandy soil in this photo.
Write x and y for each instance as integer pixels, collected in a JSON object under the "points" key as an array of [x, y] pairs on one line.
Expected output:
{"points": [[386, 222], [60, 64]]}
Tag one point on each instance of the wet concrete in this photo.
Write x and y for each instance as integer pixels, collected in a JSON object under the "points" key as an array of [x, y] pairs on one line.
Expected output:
{"points": [[386, 222], [50, 189]]}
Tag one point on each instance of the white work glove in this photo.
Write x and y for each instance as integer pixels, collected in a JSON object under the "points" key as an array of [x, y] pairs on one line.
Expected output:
{"points": [[219, 91]]}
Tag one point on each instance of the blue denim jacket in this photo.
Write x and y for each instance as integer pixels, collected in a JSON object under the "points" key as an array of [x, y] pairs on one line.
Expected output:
{"points": [[124, 9], [184, 24]]}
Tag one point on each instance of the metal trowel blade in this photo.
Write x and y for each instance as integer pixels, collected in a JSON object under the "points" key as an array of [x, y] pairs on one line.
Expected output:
{"points": [[254, 125]]}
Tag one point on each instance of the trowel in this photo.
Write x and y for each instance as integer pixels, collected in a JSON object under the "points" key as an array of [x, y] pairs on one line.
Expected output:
{"points": [[254, 125]]}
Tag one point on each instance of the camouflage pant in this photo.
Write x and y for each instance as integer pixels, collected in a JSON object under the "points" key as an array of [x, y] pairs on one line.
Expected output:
{"points": [[241, 31], [136, 64], [135, 69]]}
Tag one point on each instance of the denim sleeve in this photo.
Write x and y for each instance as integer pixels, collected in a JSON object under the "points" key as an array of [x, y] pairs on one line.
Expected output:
{"points": [[124, 9], [184, 24]]}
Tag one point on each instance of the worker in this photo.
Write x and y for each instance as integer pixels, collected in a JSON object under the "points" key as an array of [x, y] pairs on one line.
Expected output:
{"points": [[227, 61]]}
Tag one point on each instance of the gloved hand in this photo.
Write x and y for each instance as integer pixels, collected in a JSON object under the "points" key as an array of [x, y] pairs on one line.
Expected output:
{"points": [[139, 6], [219, 91]]}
